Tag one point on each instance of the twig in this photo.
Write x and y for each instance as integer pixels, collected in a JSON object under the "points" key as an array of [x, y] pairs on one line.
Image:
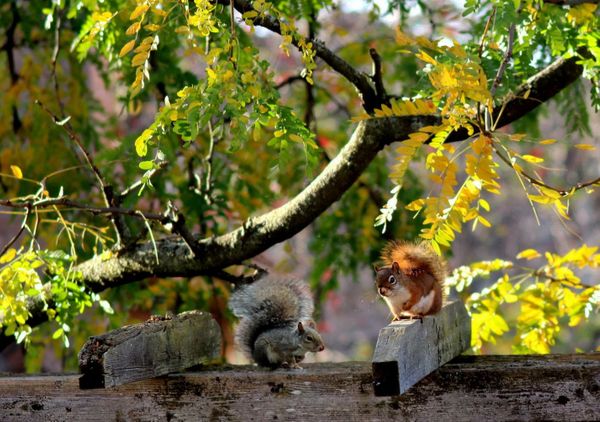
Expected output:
{"points": [[134, 186], [16, 236], [9, 46], [208, 160], [377, 75], [66, 202], [233, 34], [121, 230], [505, 60], [55, 51], [288, 81], [241, 279], [538, 182], [485, 31], [177, 221]]}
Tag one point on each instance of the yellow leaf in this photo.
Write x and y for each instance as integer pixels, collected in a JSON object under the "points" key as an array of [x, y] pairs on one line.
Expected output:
{"points": [[483, 221], [139, 59], [134, 28], [152, 27], [416, 205], [581, 14], [402, 39], [127, 48], [426, 57], [585, 147], [250, 14], [532, 159], [16, 171], [8, 256], [138, 11], [528, 254], [159, 12], [484, 204], [548, 142], [517, 136]]}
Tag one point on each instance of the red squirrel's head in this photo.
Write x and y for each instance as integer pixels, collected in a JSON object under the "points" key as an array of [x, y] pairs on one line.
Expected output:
{"points": [[390, 280]]}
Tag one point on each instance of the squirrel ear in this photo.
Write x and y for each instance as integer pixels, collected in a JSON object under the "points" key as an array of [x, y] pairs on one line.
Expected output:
{"points": [[395, 267], [311, 324], [376, 268], [300, 327]]}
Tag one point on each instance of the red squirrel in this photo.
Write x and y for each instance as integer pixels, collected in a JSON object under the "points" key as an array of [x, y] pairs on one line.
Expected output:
{"points": [[412, 280]]}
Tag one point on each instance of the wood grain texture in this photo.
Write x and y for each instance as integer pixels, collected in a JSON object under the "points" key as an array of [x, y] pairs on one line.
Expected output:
{"points": [[409, 350], [469, 388], [156, 347]]}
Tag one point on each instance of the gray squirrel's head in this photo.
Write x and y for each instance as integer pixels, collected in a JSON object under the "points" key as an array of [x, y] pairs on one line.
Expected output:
{"points": [[310, 338]]}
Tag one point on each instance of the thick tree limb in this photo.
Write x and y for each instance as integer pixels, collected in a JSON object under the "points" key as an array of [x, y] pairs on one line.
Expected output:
{"points": [[259, 233]]}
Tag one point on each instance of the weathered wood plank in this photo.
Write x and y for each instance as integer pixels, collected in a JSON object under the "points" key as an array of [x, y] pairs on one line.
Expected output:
{"points": [[156, 347], [468, 388], [409, 350]]}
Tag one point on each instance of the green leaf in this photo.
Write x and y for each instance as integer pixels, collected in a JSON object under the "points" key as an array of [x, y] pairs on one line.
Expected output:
{"points": [[146, 165]]}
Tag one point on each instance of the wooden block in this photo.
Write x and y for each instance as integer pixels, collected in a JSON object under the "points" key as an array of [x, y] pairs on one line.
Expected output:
{"points": [[409, 350], [159, 346]]}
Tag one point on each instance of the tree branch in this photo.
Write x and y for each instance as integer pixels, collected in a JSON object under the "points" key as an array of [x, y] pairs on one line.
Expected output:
{"points": [[535, 91], [359, 79], [9, 46], [63, 201]]}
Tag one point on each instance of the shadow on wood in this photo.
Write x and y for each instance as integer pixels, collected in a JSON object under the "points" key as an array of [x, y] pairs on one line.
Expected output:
{"points": [[469, 388], [156, 347], [409, 350]]}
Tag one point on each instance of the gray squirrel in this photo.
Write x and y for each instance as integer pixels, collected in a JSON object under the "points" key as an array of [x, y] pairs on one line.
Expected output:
{"points": [[276, 327]]}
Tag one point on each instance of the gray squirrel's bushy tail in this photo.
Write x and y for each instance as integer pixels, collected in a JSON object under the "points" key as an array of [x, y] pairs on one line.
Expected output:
{"points": [[266, 304]]}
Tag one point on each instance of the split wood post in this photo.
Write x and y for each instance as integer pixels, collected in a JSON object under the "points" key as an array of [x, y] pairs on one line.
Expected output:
{"points": [[409, 350], [159, 346]]}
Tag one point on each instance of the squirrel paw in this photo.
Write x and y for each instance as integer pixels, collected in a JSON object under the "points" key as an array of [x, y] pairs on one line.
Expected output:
{"points": [[408, 317], [287, 365]]}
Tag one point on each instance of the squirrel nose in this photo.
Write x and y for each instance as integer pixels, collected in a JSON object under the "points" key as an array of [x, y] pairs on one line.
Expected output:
{"points": [[381, 291], [321, 348]]}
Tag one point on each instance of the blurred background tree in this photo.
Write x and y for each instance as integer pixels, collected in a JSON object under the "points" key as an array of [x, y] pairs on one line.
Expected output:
{"points": [[155, 153]]}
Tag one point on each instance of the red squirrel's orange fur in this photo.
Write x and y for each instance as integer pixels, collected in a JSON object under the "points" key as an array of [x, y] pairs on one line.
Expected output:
{"points": [[412, 280]]}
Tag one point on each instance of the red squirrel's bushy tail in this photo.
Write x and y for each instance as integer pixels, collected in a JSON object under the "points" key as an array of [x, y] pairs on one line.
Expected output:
{"points": [[414, 258]]}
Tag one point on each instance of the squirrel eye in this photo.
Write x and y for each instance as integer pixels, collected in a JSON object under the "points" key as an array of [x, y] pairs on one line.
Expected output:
{"points": [[309, 338], [392, 280]]}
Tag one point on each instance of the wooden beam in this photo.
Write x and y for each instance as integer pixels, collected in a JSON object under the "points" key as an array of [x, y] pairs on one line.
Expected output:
{"points": [[467, 388], [409, 350], [159, 346]]}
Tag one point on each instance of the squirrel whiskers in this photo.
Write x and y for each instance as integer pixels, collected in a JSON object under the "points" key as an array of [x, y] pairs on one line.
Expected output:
{"points": [[276, 327], [412, 280]]}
